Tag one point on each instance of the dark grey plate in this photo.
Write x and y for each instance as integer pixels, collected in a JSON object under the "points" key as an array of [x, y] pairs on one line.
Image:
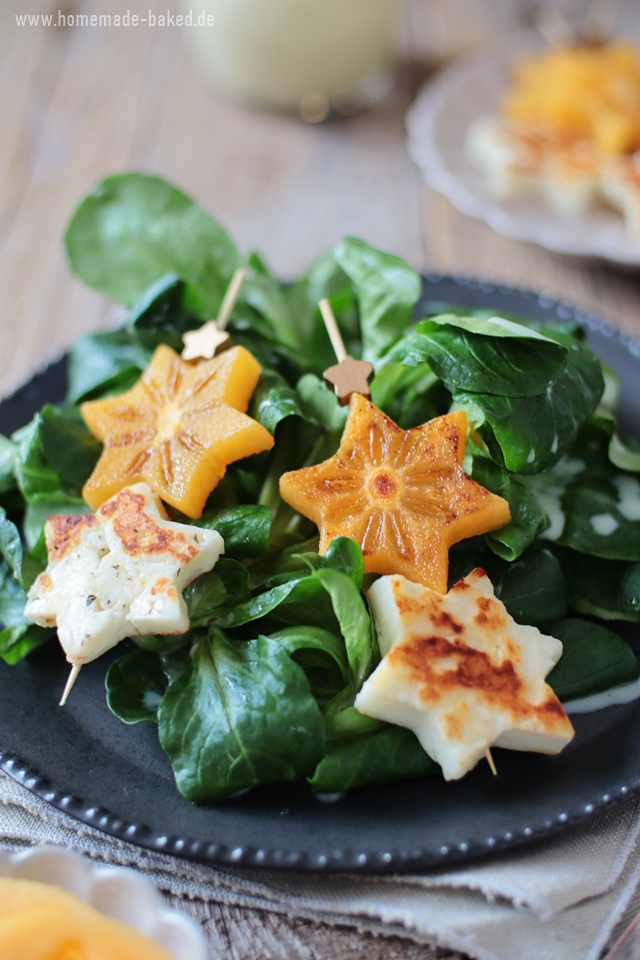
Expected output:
{"points": [[83, 760]]}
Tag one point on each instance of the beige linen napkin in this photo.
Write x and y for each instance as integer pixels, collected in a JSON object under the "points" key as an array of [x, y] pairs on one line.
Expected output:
{"points": [[566, 897]]}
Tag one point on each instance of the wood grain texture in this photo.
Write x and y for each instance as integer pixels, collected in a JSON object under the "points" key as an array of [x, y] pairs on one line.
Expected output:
{"points": [[79, 103], [236, 933]]}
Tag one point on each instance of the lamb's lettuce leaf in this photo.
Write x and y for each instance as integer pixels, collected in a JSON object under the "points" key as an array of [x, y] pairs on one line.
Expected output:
{"points": [[273, 400], [409, 395], [595, 506], [241, 714], [161, 316], [67, 444], [386, 289], [102, 363], [387, 754], [18, 641], [8, 454], [136, 683], [18, 570], [528, 518], [532, 588], [211, 596], [494, 356], [529, 434], [245, 529], [134, 229], [609, 589], [593, 659]]}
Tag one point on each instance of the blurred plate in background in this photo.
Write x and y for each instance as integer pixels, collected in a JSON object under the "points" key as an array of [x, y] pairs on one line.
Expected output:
{"points": [[437, 125]]}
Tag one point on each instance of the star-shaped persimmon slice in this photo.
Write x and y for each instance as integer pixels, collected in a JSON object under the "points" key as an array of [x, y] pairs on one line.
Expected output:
{"points": [[176, 429], [401, 494]]}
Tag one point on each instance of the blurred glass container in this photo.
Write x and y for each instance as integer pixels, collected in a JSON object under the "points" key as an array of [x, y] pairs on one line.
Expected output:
{"points": [[310, 56]]}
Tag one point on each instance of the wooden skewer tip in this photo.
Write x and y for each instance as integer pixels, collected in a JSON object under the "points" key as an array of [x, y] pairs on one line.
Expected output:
{"points": [[71, 679], [491, 762], [332, 329], [230, 297]]}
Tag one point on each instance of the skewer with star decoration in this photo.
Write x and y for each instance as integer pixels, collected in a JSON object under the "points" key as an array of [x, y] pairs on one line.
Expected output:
{"points": [[174, 432], [402, 495], [212, 337], [182, 423]]}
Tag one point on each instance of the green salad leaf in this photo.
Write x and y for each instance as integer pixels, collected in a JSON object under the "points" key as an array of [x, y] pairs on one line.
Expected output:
{"points": [[134, 229], [241, 714], [593, 659], [493, 356], [136, 684], [387, 754]]}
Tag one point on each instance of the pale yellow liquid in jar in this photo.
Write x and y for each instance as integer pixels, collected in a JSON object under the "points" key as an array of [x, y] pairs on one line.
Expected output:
{"points": [[276, 53]]}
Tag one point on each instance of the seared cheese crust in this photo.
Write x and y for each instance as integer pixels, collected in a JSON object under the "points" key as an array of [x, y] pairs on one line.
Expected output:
{"points": [[521, 159], [119, 572], [461, 673]]}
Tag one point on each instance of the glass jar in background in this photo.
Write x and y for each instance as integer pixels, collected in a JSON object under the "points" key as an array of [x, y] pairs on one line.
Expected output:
{"points": [[308, 56]]}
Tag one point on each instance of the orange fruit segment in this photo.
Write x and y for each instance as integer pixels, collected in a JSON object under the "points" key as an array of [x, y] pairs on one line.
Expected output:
{"points": [[42, 922], [401, 494], [177, 429]]}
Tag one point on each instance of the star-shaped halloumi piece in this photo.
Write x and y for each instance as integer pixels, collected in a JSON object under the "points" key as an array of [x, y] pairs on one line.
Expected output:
{"points": [[621, 187], [401, 494], [205, 342], [176, 429], [118, 573], [348, 377], [461, 673], [522, 158]]}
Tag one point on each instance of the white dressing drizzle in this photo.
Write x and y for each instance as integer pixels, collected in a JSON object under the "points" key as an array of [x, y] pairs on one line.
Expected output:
{"points": [[550, 501], [629, 497], [603, 524], [606, 698]]}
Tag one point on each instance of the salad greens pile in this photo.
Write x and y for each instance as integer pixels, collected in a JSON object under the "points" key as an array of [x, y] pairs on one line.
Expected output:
{"points": [[262, 687]]}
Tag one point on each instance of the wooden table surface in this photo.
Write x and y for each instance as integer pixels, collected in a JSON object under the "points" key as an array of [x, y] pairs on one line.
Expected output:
{"points": [[79, 103]]}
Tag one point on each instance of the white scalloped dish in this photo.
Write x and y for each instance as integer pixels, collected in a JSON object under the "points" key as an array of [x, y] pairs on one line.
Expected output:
{"points": [[116, 892], [437, 125]]}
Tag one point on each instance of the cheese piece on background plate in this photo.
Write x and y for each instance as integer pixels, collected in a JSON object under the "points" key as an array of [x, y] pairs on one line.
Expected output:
{"points": [[522, 159], [117, 573], [621, 187], [461, 673]]}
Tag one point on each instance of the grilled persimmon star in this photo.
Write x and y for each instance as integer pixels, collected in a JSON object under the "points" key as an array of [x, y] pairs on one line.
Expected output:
{"points": [[401, 494], [177, 429]]}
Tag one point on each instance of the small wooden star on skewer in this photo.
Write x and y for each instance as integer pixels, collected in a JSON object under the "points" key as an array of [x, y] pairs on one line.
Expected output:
{"points": [[211, 337], [348, 376]]}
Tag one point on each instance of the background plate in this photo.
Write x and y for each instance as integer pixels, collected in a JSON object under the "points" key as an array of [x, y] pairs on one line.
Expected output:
{"points": [[437, 124], [83, 760]]}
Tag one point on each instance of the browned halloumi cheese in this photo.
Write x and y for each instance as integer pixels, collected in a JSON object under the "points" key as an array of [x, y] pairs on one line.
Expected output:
{"points": [[461, 673], [117, 573]]}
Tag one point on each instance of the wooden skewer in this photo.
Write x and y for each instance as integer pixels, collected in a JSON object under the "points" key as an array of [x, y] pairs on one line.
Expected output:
{"points": [[490, 761], [73, 676], [332, 329], [348, 376], [230, 297]]}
